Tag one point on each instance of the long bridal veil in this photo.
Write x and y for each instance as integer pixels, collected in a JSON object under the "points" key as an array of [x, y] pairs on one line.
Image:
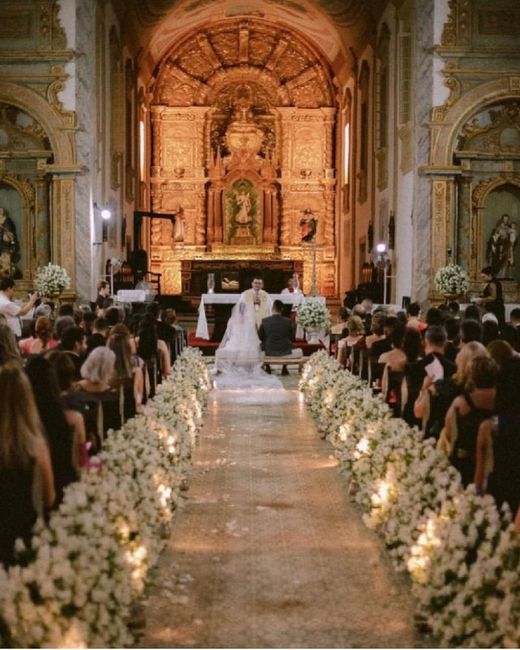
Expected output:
{"points": [[238, 360]]}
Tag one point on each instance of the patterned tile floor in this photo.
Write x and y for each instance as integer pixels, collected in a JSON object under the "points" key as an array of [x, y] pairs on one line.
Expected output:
{"points": [[267, 551]]}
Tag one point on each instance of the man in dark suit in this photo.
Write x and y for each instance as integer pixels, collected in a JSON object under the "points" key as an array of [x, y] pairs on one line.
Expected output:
{"points": [[276, 334]]}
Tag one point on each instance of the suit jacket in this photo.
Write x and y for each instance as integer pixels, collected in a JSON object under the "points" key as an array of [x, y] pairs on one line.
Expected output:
{"points": [[276, 334]]}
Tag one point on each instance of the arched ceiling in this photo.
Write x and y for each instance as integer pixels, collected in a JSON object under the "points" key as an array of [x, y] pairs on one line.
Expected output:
{"points": [[333, 26]]}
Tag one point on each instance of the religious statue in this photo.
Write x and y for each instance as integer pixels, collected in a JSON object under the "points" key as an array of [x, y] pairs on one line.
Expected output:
{"points": [[243, 200], [500, 250], [9, 246]]}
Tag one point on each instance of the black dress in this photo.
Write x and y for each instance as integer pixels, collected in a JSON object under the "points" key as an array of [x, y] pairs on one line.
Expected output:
{"points": [[464, 456], [504, 481], [496, 306], [17, 512]]}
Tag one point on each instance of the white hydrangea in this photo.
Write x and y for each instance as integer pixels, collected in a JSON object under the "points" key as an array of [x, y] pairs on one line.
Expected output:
{"points": [[51, 279], [313, 314], [451, 279]]}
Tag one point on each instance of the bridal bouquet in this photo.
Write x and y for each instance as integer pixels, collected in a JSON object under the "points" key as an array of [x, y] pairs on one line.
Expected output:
{"points": [[51, 279], [313, 314], [451, 279]]}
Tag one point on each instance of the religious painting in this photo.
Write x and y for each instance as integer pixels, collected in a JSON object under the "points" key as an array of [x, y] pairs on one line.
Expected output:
{"points": [[11, 233], [241, 206], [501, 223]]}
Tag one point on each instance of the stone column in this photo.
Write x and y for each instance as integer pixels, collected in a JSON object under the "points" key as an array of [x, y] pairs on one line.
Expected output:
{"points": [[423, 64]]}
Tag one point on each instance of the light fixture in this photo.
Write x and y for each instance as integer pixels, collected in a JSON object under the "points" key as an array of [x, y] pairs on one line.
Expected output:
{"points": [[106, 212], [381, 248]]}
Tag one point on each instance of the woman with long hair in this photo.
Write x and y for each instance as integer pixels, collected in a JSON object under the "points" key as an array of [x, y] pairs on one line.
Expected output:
{"points": [[128, 375], [43, 339], [26, 478], [8, 348], [58, 432]]}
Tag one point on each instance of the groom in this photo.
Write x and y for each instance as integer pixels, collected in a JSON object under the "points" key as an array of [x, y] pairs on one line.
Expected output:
{"points": [[258, 300]]}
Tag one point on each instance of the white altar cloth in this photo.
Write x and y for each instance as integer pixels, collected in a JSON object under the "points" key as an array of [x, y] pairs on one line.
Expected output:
{"points": [[202, 331]]}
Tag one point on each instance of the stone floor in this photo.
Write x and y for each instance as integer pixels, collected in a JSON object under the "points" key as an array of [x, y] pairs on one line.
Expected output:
{"points": [[267, 551]]}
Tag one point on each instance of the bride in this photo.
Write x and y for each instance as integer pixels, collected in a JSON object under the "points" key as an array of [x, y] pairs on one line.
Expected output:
{"points": [[239, 358]]}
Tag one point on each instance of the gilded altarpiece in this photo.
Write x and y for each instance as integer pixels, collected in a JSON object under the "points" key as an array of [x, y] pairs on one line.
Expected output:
{"points": [[475, 145], [243, 131]]}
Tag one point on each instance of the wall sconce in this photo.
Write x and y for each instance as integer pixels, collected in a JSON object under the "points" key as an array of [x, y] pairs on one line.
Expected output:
{"points": [[105, 211]]}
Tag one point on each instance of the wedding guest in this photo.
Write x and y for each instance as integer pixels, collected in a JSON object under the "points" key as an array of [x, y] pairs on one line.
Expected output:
{"points": [[454, 309], [472, 312], [490, 331], [87, 323], [101, 401], [340, 328], [498, 443], [395, 359], [43, 340], [10, 309], [355, 337], [453, 345], [61, 325], [510, 334], [413, 311], [103, 291], [434, 363], [377, 330], [501, 352], [73, 343], [62, 446], [467, 413], [440, 393], [515, 318], [24, 462], [470, 330], [128, 371], [8, 349], [113, 316]]}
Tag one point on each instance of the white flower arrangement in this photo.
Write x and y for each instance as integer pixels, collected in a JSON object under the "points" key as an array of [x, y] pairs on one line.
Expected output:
{"points": [[83, 571], [451, 279], [313, 314], [461, 553], [51, 279]]}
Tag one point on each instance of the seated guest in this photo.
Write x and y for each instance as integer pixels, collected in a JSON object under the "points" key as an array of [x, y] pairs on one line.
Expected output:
{"points": [[395, 359], [413, 311], [355, 337], [501, 352], [43, 340], [87, 323], [73, 343], [96, 393], [470, 330], [440, 393], [434, 363], [454, 309], [24, 461], [490, 331], [340, 327], [434, 316], [466, 414], [453, 344], [63, 448], [385, 344], [377, 329], [113, 316], [128, 373], [8, 349], [510, 334], [515, 318], [498, 443], [66, 310], [472, 312], [61, 325], [276, 334]]}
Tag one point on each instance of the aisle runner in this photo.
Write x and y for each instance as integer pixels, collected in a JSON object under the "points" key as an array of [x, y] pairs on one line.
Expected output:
{"points": [[267, 551]]}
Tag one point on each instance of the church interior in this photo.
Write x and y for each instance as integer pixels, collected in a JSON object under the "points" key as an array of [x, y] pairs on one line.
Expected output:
{"points": [[165, 155], [393, 122]]}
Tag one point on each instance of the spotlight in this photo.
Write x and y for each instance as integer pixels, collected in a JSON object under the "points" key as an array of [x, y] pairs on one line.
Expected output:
{"points": [[106, 213], [381, 248]]}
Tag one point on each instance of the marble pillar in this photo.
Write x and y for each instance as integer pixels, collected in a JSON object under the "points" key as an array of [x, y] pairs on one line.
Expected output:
{"points": [[422, 242], [85, 143]]}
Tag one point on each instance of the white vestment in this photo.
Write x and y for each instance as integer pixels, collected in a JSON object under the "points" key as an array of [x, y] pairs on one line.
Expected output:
{"points": [[260, 302]]}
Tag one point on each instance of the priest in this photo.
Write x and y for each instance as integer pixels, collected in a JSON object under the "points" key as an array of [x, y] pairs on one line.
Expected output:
{"points": [[258, 300]]}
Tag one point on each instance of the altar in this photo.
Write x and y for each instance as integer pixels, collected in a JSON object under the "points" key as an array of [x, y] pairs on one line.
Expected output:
{"points": [[232, 298]]}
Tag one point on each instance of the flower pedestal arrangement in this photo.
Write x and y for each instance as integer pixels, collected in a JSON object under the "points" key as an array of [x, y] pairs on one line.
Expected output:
{"points": [[314, 317], [452, 281], [51, 280]]}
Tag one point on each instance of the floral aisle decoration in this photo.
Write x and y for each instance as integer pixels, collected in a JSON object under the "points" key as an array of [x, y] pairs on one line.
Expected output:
{"points": [[461, 553], [76, 584], [51, 279], [451, 280]]}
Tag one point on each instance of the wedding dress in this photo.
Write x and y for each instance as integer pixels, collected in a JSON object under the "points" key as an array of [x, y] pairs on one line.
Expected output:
{"points": [[239, 358]]}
